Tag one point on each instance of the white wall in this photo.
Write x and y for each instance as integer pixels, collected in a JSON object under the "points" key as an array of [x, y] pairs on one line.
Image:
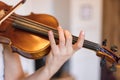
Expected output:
{"points": [[86, 15], [36, 6]]}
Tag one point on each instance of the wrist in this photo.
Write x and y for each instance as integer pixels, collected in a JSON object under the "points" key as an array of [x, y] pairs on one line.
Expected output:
{"points": [[49, 72], [52, 69]]}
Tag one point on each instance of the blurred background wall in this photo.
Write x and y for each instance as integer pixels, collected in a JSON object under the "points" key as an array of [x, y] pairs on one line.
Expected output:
{"points": [[74, 15], [86, 15]]}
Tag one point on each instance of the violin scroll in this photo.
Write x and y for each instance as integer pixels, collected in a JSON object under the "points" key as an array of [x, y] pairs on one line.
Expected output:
{"points": [[109, 55]]}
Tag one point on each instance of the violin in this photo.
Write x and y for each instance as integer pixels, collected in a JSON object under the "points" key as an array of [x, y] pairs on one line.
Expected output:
{"points": [[27, 35]]}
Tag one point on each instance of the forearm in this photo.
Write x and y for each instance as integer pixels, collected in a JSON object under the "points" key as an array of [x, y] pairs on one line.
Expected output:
{"points": [[13, 68], [41, 74]]}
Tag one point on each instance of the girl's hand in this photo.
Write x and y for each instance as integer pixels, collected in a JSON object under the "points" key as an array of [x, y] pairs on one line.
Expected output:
{"points": [[60, 53]]}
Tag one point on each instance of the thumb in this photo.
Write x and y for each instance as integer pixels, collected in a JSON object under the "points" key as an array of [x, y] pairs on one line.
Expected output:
{"points": [[4, 40]]}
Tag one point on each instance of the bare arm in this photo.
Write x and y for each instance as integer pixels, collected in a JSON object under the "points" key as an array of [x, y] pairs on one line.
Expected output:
{"points": [[13, 69]]}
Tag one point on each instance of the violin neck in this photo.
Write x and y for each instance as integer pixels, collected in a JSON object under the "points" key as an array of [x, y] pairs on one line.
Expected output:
{"points": [[88, 44], [42, 29]]}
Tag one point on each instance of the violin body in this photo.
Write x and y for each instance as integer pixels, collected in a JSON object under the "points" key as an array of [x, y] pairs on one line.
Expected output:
{"points": [[25, 43]]}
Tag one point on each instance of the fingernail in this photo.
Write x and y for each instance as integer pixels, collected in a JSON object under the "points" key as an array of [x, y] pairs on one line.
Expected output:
{"points": [[83, 33], [50, 32], [59, 27]]}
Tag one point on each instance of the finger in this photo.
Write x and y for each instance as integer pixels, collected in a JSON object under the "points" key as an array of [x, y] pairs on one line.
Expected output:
{"points": [[5, 40], [61, 37], [2, 13], [79, 42], [52, 40], [68, 37], [7, 49]]}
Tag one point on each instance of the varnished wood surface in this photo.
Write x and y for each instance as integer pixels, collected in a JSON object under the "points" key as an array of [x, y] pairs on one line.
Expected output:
{"points": [[111, 27]]}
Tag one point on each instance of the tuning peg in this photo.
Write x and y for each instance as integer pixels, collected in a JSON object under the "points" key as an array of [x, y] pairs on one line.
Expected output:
{"points": [[103, 62], [23, 1], [104, 43], [114, 48], [113, 68]]}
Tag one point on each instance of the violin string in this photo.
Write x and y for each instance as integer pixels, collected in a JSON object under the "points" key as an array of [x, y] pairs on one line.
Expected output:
{"points": [[37, 25], [32, 22], [46, 29], [89, 44], [28, 21]]}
